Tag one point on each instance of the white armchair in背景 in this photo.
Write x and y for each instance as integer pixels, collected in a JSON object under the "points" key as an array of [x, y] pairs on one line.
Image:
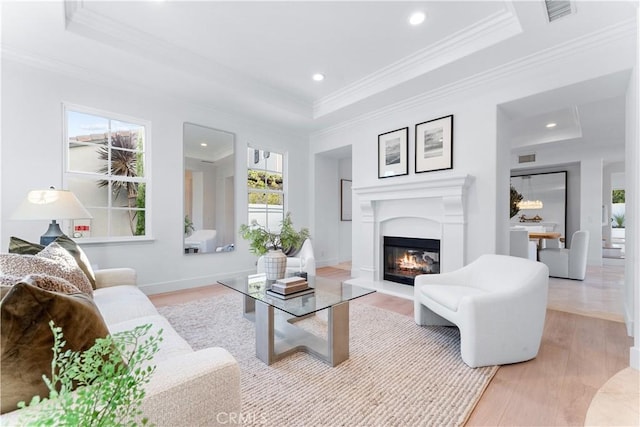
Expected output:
{"points": [[568, 263]]}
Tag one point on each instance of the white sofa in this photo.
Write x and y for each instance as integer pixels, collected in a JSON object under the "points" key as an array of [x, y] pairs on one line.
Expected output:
{"points": [[498, 302], [303, 261], [194, 388]]}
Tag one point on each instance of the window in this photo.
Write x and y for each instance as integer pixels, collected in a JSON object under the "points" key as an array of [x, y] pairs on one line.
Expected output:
{"points": [[265, 179], [106, 167]]}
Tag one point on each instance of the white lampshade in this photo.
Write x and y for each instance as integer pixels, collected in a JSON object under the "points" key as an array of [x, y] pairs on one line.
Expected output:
{"points": [[50, 204]]}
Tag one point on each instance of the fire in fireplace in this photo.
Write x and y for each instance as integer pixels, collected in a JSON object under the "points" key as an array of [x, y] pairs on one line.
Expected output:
{"points": [[407, 257]]}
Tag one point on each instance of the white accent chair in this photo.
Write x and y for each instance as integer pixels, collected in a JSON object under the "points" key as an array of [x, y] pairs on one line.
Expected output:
{"points": [[521, 246], [498, 302], [203, 240], [303, 261], [568, 263]]}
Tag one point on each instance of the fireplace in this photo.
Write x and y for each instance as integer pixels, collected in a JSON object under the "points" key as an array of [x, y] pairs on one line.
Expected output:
{"points": [[407, 257]]}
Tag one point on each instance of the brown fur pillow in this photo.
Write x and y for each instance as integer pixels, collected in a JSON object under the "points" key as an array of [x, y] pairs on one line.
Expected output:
{"points": [[26, 339], [52, 261], [23, 247]]}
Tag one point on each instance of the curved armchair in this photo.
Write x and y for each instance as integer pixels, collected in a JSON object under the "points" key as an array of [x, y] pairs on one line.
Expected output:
{"points": [[568, 263], [498, 302], [303, 261]]}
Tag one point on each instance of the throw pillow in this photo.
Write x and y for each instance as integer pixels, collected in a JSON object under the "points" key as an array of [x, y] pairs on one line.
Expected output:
{"points": [[81, 258], [20, 246], [52, 260], [49, 283], [26, 338]]}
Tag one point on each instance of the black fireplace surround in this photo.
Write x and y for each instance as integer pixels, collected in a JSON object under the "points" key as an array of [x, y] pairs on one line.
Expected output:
{"points": [[407, 257]]}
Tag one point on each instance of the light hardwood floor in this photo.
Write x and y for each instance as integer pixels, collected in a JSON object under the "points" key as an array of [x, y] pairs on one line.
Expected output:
{"points": [[584, 344]]}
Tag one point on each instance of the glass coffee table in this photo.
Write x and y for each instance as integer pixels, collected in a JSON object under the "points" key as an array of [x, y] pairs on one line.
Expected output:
{"points": [[278, 336]]}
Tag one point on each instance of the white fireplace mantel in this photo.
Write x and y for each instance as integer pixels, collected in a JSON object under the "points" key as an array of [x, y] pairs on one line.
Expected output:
{"points": [[437, 201]]}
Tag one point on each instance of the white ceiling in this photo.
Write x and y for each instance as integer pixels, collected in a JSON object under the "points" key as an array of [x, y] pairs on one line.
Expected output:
{"points": [[257, 58]]}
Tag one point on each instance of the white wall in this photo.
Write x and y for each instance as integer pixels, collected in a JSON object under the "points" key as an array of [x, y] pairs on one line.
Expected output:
{"points": [[632, 212], [32, 158]]}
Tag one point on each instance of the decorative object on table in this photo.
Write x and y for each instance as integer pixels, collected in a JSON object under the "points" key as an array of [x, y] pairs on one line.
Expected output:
{"points": [[514, 199], [307, 291], [275, 264], [537, 218], [274, 245], [434, 145], [290, 285], [345, 200], [51, 205], [392, 153]]}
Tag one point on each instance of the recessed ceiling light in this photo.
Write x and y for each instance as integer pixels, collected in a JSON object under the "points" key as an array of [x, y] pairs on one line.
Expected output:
{"points": [[203, 144], [417, 18], [318, 77], [551, 125]]}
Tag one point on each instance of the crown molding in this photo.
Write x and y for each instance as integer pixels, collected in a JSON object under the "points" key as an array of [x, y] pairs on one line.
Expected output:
{"points": [[492, 29], [579, 45], [81, 20]]}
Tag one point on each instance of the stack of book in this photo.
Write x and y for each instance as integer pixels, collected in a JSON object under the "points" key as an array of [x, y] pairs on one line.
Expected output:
{"points": [[290, 287]]}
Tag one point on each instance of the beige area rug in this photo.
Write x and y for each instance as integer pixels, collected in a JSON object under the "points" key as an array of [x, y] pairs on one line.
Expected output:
{"points": [[398, 373]]}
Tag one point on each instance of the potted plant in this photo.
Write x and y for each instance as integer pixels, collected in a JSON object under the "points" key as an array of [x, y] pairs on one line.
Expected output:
{"points": [[188, 226], [274, 245], [514, 199]]}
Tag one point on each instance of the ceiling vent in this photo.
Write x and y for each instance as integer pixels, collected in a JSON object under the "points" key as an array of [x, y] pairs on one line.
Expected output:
{"points": [[556, 9], [527, 158]]}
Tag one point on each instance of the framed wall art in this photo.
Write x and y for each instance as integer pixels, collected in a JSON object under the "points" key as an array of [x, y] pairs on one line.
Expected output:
{"points": [[345, 200], [434, 145], [392, 153]]}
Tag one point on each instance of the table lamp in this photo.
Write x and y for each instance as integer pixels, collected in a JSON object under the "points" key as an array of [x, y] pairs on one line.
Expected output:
{"points": [[49, 204]]}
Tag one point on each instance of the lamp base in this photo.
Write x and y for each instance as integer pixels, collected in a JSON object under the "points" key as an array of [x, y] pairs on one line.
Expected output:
{"points": [[53, 232]]}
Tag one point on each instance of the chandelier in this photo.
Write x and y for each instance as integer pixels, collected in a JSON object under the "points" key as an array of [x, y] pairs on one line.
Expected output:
{"points": [[527, 203], [530, 204]]}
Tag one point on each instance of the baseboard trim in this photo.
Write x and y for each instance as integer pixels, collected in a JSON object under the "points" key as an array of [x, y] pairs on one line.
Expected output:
{"points": [[190, 283]]}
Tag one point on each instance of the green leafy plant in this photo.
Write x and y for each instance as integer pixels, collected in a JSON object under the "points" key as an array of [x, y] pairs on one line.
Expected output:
{"points": [[261, 240], [617, 196], [514, 199], [125, 159], [109, 378], [188, 225], [618, 221]]}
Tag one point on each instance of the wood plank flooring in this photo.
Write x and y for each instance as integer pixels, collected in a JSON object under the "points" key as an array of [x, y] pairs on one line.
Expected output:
{"points": [[577, 356]]}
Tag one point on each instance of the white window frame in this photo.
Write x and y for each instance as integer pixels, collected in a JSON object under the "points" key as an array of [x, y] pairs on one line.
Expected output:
{"points": [[268, 191], [147, 179]]}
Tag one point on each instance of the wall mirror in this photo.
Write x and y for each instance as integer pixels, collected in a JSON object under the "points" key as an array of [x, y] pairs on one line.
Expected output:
{"points": [[209, 196], [544, 201]]}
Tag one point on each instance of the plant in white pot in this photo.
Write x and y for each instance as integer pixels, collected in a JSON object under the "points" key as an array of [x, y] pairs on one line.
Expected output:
{"points": [[274, 245]]}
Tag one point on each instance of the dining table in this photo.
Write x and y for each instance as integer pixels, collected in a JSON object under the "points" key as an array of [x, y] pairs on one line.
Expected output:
{"points": [[540, 235]]}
